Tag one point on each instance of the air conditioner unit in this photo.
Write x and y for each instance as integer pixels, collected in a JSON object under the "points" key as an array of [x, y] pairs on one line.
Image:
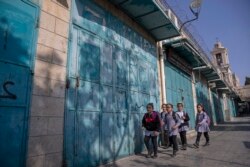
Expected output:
{"points": [[212, 85]]}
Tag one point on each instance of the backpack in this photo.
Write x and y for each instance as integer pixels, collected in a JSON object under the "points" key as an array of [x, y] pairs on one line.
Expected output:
{"points": [[174, 116], [208, 119]]}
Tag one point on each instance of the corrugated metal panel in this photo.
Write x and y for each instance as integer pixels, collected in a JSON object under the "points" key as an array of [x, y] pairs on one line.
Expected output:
{"points": [[18, 36], [231, 107], [202, 91], [218, 107], [179, 89], [112, 78]]}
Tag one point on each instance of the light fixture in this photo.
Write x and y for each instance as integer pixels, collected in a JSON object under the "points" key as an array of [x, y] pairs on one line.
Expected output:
{"points": [[195, 7]]}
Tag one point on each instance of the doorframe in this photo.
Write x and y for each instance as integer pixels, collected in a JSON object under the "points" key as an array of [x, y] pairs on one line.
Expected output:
{"points": [[31, 83]]}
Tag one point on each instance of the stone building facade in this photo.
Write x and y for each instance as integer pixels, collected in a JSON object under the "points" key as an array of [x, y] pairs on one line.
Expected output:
{"points": [[76, 77]]}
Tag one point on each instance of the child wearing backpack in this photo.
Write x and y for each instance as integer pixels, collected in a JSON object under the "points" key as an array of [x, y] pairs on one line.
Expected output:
{"points": [[202, 125], [172, 122], [151, 123], [183, 128], [164, 131]]}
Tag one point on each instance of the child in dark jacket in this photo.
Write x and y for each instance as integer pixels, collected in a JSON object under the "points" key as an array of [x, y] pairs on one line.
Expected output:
{"points": [[151, 123]]}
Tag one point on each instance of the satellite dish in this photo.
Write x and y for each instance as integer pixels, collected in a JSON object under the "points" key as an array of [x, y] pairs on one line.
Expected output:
{"points": [[196, 4]]}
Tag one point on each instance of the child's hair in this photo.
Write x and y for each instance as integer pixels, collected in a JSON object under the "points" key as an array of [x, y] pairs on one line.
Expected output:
{"points": [[169, 104], [164, 104], [201, 105], [179, 104], [150, 104]]}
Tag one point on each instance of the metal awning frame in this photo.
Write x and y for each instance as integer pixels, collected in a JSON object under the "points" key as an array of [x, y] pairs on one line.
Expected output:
{"points": [[130, 7]]}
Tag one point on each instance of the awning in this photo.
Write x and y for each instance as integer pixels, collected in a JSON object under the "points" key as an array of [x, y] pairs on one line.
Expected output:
{"points": [[221, 85], [185, 50], [210, 73], [150, 15]]}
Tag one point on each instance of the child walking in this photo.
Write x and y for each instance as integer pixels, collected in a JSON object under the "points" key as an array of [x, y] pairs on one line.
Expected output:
{"points": [[151, 123], [201, 125], [172, 122], [183, 128], [164, 131]]}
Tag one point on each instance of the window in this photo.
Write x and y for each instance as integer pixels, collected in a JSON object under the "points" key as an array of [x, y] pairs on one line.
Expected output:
{"points": [[219, 59]]}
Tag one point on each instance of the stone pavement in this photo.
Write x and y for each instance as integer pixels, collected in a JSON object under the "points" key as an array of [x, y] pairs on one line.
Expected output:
{"points": [[230, 147]]}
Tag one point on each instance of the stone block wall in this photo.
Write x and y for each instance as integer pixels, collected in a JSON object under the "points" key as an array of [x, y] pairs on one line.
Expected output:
{"points": [[45, 145]]}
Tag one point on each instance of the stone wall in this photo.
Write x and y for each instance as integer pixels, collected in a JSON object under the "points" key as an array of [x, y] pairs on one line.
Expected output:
{"points": [[45, 145]]}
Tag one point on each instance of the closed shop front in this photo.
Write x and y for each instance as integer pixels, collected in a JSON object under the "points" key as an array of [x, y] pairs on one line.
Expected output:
{"points": [[112, 75], [218, 107], [18, 34], [179, 86], [202, 93], [231, 107]]}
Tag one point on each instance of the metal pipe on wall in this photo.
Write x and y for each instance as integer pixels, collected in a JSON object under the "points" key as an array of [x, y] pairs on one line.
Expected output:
{"points": [[162, 73], [194, 93]]}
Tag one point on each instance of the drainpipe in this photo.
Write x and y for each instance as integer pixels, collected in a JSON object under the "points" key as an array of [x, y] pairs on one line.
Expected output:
{"points": [[194, 93], [162, 74]]}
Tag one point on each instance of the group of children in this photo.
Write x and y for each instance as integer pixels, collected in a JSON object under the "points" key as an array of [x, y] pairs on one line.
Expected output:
{"points": [[168, 124]]}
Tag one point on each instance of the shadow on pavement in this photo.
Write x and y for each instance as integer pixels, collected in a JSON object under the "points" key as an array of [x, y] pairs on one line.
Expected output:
{"points": [[154, 164], [237, 125], [247, 144], [201, 159], [231, 128]]}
